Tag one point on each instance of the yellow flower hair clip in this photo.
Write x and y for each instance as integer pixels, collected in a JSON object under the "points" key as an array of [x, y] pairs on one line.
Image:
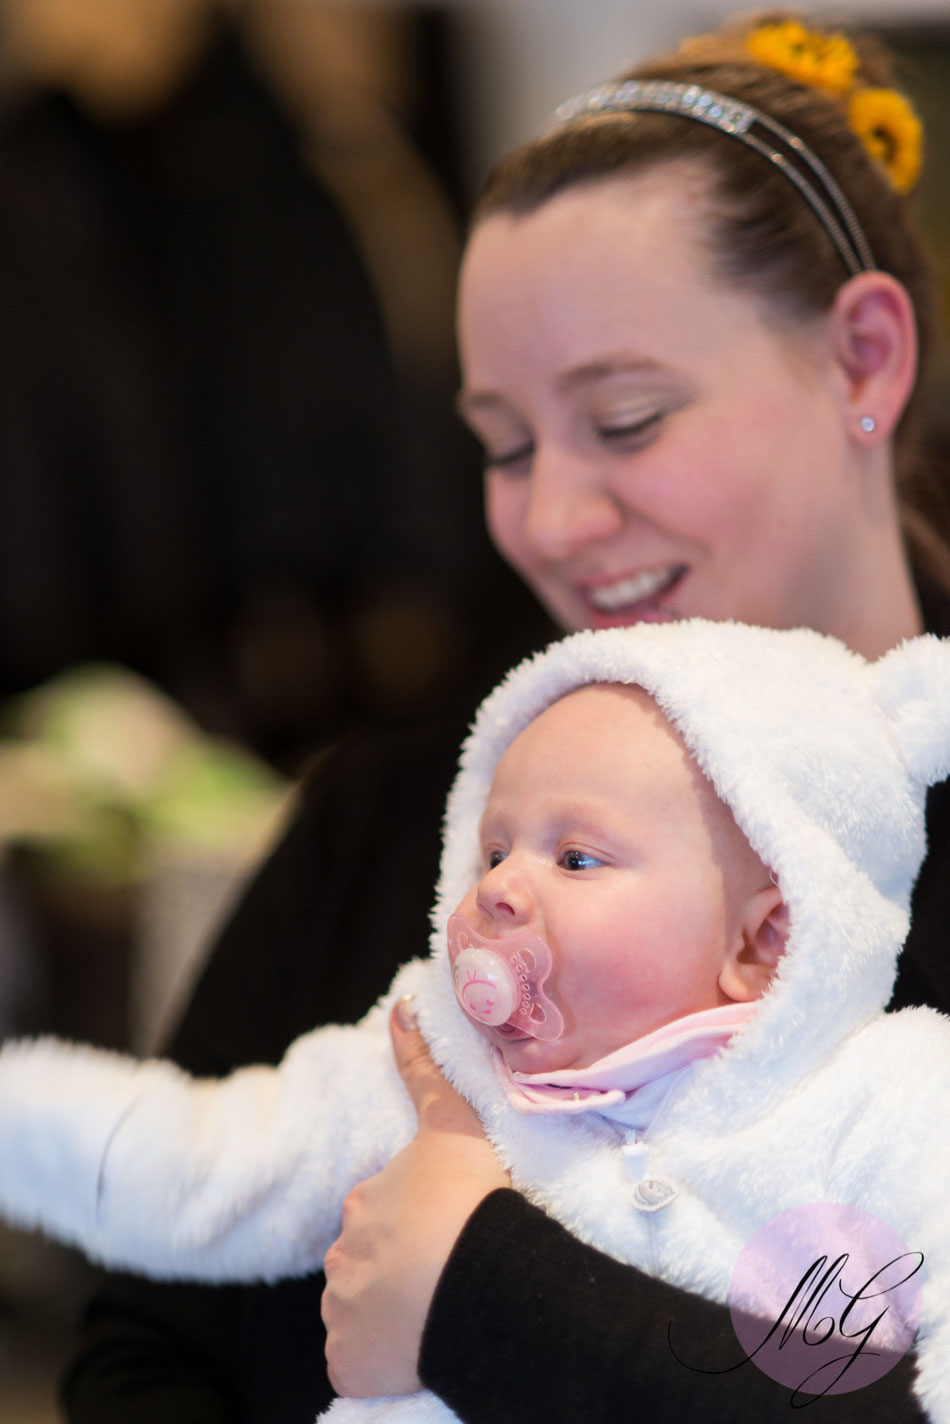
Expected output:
{"points": [[890, 131], [822, 61], [883, 119]]}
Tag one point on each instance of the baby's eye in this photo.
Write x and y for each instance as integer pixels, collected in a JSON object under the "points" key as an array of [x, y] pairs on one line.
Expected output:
{"points": [[493, 858], [579, 860]]}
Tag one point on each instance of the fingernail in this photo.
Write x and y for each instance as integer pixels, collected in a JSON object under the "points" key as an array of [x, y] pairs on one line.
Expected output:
{"points": [[405, 1014]]}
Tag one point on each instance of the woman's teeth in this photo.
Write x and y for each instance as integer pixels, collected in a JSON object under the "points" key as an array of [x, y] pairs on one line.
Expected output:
{"points": [[609, 597]]}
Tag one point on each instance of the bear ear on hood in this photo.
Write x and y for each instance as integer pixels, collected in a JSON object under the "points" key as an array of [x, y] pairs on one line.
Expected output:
{"points": [[912, 685]]}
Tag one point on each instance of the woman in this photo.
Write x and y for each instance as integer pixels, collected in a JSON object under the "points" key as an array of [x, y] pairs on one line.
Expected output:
{"points": [[693, 365]]}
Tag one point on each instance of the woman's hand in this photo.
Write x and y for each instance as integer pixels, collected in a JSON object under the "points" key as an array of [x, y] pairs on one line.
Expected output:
{"points": [[399, 1228]]}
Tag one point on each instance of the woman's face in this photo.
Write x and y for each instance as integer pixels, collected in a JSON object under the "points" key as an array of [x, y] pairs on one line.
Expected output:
{"points": [[653, 446]]}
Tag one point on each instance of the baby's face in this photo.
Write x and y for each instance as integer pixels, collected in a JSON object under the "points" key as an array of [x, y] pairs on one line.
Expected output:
{"points": [[602, 836]]}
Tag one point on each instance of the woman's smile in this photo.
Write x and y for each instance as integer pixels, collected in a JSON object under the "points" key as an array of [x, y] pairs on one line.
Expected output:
{"points": [[632, 597], [736, 492]]}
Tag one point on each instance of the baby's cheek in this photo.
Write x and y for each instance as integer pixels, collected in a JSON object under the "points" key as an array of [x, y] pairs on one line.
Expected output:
{"points": [[610, 992], [468, 908]]}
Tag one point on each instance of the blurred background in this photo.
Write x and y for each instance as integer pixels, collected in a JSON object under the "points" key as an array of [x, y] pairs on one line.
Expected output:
{"points": [[238, 518]]}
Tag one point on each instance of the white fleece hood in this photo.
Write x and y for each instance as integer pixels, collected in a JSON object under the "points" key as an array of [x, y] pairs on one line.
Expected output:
{"points": [[824, 759]]}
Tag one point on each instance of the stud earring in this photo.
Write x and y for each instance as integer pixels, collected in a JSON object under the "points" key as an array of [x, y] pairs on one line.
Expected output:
{"points": [[868, 423]]}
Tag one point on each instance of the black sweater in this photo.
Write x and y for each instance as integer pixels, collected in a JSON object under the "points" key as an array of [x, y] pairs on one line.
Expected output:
{"points": [[570, 1333]]}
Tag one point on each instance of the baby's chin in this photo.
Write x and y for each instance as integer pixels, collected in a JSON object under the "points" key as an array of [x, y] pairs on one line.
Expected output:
{"points": [[534, 1055]]}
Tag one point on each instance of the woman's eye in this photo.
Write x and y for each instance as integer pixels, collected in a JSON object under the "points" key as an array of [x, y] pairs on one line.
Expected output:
{"points": [[579, 860], [630, 431], [508, 459]]}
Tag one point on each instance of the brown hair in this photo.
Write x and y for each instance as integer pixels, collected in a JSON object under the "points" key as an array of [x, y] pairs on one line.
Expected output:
{"points": [[762, 234]]}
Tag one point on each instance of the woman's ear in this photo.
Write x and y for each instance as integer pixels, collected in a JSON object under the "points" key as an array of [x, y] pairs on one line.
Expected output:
{"points": [[760, 944], [874, 347]]}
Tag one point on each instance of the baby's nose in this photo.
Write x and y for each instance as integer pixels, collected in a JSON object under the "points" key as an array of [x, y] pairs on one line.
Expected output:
{"points": [[503, 893]]}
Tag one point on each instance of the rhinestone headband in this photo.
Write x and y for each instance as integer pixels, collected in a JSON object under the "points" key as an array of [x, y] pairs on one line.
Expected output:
{"points": [[742, 122]]}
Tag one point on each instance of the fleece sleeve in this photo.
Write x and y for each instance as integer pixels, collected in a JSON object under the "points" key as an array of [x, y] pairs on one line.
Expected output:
{"points": [[529, 1325], [145, 1168], [317, 937]]}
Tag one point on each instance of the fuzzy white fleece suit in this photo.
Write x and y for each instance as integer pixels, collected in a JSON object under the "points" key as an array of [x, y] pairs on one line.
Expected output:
{"points": [[824, 760]]}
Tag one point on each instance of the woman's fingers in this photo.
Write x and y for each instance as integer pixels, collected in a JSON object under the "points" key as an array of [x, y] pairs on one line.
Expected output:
{"points": [[399, 1228], [376, 1298], [437, 1104], [413, 1060]]}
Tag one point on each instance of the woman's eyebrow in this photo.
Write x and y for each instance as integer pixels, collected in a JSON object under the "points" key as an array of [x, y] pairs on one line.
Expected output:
{"points": [[468, 402], [586, 373], [603, 367]]}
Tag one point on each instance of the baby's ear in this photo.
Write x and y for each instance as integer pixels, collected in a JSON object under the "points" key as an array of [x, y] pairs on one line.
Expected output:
{"points": [[760, 944]]}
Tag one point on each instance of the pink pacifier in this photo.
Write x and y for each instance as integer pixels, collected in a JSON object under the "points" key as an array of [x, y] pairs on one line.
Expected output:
{"points": [[500, 982]]}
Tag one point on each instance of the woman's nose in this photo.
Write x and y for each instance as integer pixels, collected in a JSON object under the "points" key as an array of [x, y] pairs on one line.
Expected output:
{"points": [[503, 894], [568, 506]]}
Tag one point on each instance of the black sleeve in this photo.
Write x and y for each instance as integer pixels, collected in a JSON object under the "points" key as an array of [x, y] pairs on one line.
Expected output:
{"points": [[528, 1325], [342, 901]]}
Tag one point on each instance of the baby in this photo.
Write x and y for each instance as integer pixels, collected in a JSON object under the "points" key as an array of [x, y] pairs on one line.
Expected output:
{"points": [[602, 837], [676, 876]]}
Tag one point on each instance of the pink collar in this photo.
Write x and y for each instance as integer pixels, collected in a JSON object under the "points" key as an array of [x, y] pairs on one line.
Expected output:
{"points": [[627, 1085]]}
